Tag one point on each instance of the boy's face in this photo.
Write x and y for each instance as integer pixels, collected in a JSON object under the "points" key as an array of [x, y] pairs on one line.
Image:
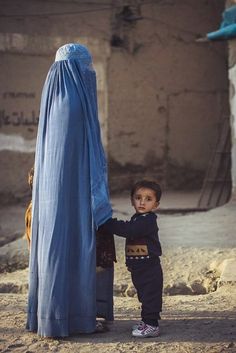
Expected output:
{"points": [[144, 200]]}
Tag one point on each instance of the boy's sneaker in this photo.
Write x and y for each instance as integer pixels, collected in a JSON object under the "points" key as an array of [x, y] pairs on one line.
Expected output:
{"points": [[146, 331], [138, 326]]}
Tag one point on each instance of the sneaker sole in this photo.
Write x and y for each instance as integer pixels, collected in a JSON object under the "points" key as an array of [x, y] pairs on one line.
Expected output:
{"points": [[146, 336], [137, 333]]}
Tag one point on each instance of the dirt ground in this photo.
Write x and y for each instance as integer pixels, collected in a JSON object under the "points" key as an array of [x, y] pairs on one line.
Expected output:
{"points": [[199, 311], [204, 323]]}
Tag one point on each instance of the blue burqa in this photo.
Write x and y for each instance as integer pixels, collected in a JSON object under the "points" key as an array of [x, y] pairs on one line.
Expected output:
{"points": [[70, 199]]}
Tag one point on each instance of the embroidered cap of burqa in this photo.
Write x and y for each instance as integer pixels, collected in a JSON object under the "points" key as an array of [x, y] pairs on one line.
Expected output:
{"points": [[70, 199]]}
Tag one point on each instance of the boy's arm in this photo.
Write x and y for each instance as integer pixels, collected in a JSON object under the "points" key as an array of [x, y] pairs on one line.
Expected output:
{"points": [[141, 226]]}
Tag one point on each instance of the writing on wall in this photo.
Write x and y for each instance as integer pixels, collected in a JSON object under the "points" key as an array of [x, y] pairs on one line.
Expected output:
{"points": [[18, 119], [15, 95]]}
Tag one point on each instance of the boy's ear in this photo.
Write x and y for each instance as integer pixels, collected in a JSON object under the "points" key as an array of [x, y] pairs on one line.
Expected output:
{"points": [[156, 206]]}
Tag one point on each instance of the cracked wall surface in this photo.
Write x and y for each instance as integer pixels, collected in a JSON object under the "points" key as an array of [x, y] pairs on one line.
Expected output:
{"points": [[168, 94]]}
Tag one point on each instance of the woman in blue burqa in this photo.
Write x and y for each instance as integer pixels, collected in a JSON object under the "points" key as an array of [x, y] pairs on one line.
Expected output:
{"points": [[70, 200]]}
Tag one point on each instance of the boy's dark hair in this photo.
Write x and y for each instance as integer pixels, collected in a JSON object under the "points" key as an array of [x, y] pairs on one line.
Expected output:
{"points": [[147, 184]]}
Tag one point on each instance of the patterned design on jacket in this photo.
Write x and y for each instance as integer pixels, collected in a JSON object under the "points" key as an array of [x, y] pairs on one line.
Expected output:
{"points": [[136, 249]]}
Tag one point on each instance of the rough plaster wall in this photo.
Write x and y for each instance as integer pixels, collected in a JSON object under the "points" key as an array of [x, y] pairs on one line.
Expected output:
{"points": [[188, 136], [27, 49], [23, 76], [35, 17], [232, 99], [164, 88], [167, 94], [20, 88], [232, 78]]}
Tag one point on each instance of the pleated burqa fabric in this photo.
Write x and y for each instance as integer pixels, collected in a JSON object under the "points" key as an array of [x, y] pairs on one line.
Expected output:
{"points": [[70, 199]]}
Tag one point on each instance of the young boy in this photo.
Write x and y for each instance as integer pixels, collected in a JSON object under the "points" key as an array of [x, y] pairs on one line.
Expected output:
{"points": [[143, 250]]}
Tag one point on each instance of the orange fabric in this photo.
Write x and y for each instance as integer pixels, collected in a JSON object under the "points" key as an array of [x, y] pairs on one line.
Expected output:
{"points": [[28, 216]]}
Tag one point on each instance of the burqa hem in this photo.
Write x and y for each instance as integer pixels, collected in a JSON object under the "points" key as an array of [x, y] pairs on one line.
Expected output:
{"points": [[59, 327]]}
